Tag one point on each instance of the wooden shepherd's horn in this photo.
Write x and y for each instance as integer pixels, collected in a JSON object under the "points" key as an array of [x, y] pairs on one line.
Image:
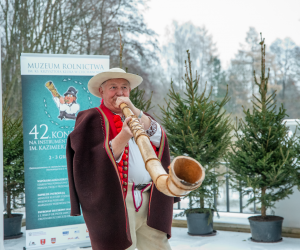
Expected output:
{"points": [[185, 173]]}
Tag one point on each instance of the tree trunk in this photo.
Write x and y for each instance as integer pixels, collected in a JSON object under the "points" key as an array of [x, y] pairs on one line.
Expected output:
{"points": [[190, 202], [263, 207], [201, 202], [8, 203]]}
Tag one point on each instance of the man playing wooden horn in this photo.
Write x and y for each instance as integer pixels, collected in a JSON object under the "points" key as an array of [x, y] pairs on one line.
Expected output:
{"points": [[107, 176]]}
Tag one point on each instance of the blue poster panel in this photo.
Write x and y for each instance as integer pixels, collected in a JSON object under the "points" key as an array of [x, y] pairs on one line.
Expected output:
{"points": [[54, 90]]}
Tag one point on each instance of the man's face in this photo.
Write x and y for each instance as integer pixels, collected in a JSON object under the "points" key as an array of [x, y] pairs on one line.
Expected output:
{"points": [[69, 99], [111, 90]]}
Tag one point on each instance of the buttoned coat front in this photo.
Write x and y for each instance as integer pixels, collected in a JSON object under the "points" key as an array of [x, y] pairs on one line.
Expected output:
{"points": [[95, 185]]}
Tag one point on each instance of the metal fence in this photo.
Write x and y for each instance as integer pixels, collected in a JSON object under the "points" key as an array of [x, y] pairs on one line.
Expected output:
{"points": [[228, 200], [17, 202]]}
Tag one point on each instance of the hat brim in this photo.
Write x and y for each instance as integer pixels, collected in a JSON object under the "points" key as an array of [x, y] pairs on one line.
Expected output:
{"points": [[69, 93], [96, 81]]}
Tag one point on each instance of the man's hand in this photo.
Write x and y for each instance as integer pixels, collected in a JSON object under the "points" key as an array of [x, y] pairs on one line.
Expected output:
{"points": [[126, 100], [119, 142], [145, 119], [61, 100], [126, 132]]}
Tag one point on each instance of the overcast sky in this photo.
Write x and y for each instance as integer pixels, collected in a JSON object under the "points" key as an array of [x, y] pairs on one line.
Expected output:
{"points": [[228, 20]]}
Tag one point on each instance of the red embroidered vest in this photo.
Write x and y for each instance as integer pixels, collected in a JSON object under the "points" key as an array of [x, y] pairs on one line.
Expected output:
{"points": [[115, 127]]}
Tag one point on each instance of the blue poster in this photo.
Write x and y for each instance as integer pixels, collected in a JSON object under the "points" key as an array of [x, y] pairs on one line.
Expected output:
{"points": [[54, 91]]}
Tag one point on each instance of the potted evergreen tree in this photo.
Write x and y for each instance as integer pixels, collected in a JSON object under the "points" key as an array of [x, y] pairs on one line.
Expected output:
{"points": [[264, 157], [198, 127], [13, 171]]}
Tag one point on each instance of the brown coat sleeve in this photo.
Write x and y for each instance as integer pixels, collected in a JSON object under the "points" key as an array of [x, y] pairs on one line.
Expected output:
{"points": [[75, 207], [95, 186], [176, 199]]}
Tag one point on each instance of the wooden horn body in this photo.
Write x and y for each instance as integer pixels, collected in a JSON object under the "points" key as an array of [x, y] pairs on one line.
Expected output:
{"points": [[185, 173], [53, 90]]}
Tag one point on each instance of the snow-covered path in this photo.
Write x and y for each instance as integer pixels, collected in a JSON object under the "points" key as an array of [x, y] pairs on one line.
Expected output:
{"points": [[182, 241], [226, 241]]}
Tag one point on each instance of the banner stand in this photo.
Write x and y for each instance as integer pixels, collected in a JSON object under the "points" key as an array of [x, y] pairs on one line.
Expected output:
{"points": [[54, 91]]}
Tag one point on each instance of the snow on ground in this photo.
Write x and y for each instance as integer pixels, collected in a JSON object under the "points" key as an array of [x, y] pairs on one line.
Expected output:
{"points": [[16, 244], [226, 241], [182, 241]]}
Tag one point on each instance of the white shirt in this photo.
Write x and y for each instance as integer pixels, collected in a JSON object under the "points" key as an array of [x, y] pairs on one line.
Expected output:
{"points": [[71, 108], [137, 172]]}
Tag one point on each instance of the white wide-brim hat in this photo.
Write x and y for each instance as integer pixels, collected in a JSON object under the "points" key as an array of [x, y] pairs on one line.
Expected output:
{"points": [[96, 81]]}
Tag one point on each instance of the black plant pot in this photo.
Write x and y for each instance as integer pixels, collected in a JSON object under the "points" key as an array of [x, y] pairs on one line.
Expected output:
{"points": [[198, 224], [12, 226], [266, 230]]}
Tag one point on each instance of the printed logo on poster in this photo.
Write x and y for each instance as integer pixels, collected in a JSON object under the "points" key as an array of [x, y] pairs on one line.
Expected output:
{"points": [[77, 231], [39, 233], [43, 241], [53, 240], [65, 233], [76, 238], [32, 243]]}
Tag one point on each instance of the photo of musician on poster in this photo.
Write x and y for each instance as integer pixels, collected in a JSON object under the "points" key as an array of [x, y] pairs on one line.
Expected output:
{"points": [[67, 104]]}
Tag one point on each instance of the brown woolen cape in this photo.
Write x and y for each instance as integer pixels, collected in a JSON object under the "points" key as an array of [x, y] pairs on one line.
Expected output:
{"points": [[95, 185]]}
